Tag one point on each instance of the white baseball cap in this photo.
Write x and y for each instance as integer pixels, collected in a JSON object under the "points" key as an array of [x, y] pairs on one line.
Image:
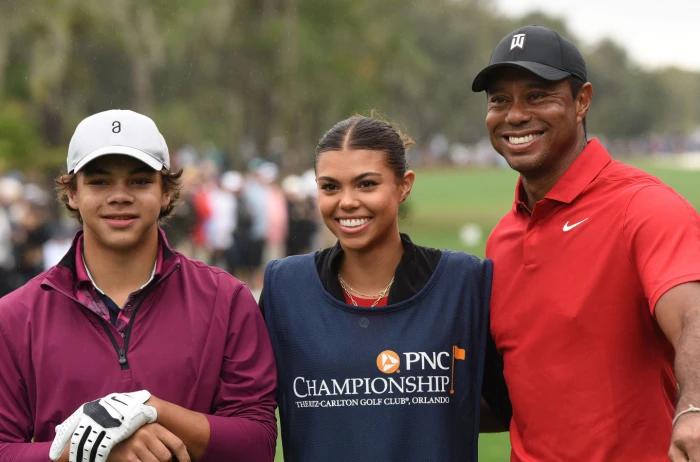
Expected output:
{"points": [[117, 131]]}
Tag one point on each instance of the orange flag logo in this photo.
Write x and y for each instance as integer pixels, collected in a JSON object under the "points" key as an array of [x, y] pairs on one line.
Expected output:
{"points": [[459, 354]]}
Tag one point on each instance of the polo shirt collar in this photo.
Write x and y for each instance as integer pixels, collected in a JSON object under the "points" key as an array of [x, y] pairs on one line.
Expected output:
{"points": [[587, 166], [82, 274], [580, 173]]}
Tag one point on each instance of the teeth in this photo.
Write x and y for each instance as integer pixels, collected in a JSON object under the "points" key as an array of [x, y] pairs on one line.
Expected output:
{"points": [[521, 139], [353, 222]]}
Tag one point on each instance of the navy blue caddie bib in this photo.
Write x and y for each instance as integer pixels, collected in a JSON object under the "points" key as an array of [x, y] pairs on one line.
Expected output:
{"points": [[397, 383]]}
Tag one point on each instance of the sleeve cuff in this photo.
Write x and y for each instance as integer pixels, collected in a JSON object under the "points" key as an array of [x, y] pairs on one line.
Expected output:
{"points": [[239, 439]]}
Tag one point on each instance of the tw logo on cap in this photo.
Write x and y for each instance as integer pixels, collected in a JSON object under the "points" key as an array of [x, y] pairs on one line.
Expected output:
{"points": [[518, 41]]}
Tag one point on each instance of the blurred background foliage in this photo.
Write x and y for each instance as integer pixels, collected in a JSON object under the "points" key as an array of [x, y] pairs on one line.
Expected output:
{"points": [[266, 77]]}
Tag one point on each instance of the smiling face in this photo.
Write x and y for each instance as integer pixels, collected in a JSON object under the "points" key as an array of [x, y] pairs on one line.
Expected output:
{"points": [[119, 200], [359, 197], [536, 124]]}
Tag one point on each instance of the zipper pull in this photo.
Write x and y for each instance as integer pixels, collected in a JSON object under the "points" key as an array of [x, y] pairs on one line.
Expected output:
{"points": [[122, 359]]}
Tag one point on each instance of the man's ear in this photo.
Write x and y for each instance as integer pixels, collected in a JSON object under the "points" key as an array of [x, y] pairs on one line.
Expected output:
{"points": [[72, 199], [583, 101], [165, 200]]}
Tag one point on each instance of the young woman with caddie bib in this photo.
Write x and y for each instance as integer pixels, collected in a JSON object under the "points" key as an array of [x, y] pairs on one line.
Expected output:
{"points": [[380, 343]]}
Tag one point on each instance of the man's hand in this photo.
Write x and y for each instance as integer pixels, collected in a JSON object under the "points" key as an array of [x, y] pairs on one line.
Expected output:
{"points": [[96, 427], [678, 315], [685, 445], [150, 443]]}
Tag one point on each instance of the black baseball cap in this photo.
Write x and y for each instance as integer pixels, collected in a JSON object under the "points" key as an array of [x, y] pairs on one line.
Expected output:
{"points": [[537, 49]]}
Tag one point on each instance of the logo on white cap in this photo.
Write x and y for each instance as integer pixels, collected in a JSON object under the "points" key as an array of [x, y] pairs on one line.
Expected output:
{"points": [[518, 41], [117, 132]]}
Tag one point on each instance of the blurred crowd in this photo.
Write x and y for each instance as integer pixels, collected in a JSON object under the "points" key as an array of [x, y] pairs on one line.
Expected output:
{"points": [[240, 220], [29, 236], [237, 220]]}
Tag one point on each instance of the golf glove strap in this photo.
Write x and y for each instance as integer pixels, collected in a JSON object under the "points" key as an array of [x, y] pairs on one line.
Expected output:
{"points": [[96, 427]]}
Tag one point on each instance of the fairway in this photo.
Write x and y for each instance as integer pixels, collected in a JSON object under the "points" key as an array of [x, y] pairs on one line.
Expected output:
{"points": [[443, 201]]}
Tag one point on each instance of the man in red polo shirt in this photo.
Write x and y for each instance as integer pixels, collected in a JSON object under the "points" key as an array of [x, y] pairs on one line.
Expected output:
{"points": [[596, 290]]}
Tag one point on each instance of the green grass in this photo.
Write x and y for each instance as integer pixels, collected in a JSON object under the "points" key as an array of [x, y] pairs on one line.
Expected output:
{"points": [[445, 200]]}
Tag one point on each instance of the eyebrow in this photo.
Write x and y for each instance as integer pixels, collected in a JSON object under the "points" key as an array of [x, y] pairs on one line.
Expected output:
{"points": [[102, 171], [543, 84], [357, 178]]}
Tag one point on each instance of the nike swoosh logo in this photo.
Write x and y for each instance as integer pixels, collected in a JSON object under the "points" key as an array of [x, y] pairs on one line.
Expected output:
{"points": [[567, 227], [121, 402]]}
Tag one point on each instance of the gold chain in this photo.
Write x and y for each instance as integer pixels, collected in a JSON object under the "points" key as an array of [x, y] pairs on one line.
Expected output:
{"points": [[349, 291]]}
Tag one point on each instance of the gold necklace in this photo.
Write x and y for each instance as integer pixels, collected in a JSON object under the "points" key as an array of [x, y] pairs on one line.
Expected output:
{"points": [[349, 291]]}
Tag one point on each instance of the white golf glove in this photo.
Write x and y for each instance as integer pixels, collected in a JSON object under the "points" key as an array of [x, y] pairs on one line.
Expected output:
{"points": [[96, 427]]}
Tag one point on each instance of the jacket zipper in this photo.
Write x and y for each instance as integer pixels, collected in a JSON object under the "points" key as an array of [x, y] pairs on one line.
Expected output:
{"points": [[121, 351]]}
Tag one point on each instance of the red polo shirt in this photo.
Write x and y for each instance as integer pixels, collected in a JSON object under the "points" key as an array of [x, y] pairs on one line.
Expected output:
{"points": [[576, 280]]}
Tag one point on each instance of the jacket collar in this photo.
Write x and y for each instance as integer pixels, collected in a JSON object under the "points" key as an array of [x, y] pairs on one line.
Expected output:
{"points": [[70, 272]]}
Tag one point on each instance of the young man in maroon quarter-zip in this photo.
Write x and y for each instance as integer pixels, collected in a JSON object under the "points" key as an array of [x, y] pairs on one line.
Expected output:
{"points": [[127, 350]]}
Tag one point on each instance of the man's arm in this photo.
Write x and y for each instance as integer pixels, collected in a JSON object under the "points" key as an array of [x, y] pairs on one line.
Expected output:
{"points": [[190, 426], [150, 442], [678, 314], [496, 409], [15, 413], [24, 452], [662, 231], [242, 424]]}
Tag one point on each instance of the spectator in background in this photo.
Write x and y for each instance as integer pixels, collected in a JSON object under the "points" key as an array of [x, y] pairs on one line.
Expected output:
{"points": [[31, 232], [181, 224], [10, 191], [276, 209], [222, 221], [256, 200], [54, 249], [238, 255], [302, 223], [202, 208]]}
